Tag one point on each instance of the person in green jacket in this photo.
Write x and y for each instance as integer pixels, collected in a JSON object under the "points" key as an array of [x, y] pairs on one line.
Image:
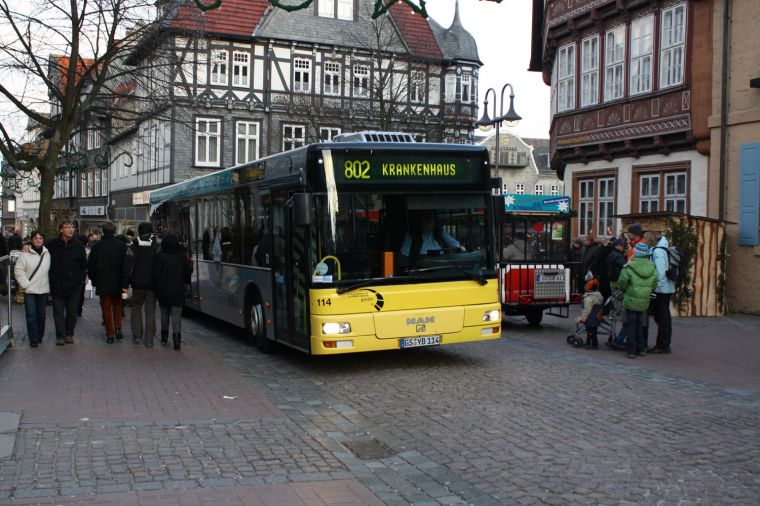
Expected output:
{"points": [[637, 280]]}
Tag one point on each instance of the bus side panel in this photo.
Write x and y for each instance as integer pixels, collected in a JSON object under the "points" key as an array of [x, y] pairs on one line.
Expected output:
{"points": [[222, 289]]}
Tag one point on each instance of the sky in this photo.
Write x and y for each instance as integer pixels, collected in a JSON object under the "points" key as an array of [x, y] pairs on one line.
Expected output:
{"points": [[503, 34]]}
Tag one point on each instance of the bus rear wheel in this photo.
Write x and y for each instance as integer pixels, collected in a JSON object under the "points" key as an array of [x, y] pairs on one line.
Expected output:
{"points": [[256, 325], [534, 316]]}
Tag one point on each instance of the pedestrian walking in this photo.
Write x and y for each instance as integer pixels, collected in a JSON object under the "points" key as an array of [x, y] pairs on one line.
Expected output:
{"points": [[637, 280], [109, 276], [31, 270], [598, 267], [663, 291], [68, 271], [171, 274], [588, 255], [142, 256]]}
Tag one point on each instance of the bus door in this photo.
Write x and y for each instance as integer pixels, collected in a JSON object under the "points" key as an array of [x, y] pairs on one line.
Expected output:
{"points": [[289, 270], [189, 235]]}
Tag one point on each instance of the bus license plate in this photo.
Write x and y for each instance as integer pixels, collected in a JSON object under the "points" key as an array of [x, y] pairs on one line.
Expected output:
{"points": [[414, 342]]}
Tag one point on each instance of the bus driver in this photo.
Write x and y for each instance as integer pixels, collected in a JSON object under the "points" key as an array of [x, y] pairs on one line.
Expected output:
{"points": [[426, 236]]}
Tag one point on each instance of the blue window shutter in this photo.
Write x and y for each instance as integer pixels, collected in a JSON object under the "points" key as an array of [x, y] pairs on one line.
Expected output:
{"points": [[749, 194]]}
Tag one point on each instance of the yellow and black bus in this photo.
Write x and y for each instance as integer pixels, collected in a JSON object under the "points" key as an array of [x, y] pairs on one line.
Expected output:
{"points": [[344, 246]]}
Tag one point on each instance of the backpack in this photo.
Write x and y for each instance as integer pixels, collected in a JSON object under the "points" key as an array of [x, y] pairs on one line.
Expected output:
{"points": [[676, 262]]}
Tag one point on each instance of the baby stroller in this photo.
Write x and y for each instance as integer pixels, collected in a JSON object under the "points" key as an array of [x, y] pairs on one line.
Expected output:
{"points": [[607, 317]]}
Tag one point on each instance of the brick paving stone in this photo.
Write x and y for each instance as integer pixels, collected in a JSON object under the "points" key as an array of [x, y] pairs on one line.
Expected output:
{"points": [[516, 421]]}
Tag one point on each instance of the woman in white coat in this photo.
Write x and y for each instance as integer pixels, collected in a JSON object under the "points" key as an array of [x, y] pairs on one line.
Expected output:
{"points": [[31, 272]]}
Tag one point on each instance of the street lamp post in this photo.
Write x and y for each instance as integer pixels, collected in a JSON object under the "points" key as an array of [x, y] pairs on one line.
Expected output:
{"points": [[511, 118]]}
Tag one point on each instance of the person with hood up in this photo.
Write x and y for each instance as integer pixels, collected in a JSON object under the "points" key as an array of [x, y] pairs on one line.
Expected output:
{"points": [[142, 255], [171, 274], [637, 280], [663, 292]]}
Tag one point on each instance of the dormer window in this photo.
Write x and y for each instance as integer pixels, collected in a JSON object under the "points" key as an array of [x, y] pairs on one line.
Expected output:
{"points": [[345, 10]]}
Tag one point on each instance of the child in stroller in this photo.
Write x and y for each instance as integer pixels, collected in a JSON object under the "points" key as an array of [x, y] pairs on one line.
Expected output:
{"points": [[591, 314], [605, 319]]}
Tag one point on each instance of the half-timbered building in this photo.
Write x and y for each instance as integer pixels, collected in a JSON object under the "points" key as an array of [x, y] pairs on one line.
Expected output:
{"points": [[246, 80], [630, 101]]}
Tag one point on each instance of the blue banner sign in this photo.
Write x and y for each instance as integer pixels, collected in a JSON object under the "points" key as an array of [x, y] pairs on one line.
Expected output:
{"points": [[536, 203]]}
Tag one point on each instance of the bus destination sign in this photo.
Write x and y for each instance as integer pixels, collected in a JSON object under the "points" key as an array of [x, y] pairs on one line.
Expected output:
{"points": [[411, 168]]}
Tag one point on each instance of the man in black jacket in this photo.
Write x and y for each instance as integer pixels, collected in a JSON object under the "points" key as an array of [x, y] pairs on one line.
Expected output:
{"points": [[15, 242], [68, 270], [109, 276], [141, 255]]}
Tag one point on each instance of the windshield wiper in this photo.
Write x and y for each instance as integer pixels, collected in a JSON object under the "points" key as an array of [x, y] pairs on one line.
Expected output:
{"points": [[461, 268], [360, 284]]}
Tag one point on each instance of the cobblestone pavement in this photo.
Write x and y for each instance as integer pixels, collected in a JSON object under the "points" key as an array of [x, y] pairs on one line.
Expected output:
{"points": [[516, 421]]}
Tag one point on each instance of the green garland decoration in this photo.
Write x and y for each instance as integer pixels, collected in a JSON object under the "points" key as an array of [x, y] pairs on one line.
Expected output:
{"points": [[683, 236], [205, 7], [291, 8], [381, 7]]}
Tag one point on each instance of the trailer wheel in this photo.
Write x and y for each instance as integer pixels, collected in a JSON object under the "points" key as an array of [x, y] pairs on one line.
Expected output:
{"points": [[535, 316], [256, 325]]}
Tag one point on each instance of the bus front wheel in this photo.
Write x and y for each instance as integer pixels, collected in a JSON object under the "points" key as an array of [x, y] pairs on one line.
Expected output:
{"points": [[535, 316], [256, 325]]}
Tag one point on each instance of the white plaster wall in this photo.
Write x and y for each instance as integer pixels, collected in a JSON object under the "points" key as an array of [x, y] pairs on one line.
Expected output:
{"points": [[624, 166]]}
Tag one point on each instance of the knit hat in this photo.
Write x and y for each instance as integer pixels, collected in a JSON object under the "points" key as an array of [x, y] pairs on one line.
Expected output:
{"points": [[617, 242], [641, 250], [636, 229], [591, 284]]}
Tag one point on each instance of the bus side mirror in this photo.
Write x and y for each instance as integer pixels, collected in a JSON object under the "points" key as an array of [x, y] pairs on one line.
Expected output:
{"points": [[498, 209], [302, 209]]}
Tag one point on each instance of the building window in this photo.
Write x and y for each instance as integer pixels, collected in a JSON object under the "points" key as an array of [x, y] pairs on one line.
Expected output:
{"points": [[614, 57], [207, 142], [326, 8], [505, 188], [346, 10], [361, 81], [512, 157], [293, 136], [417, 87], [240, 69], [641, 55], [219, 67], [247, 141], [539, 189], [466, 88], [302, 75], [606, 207], [566, 78], [590, 71], [596, 205], [94, 138], [327, 133], [649, 193], [519, 188], [332, 78], [672, 38], [661, 189], [555, 189]]}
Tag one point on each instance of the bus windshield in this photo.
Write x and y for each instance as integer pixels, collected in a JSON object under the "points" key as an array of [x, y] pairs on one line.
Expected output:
{"points": [[413, 236]]}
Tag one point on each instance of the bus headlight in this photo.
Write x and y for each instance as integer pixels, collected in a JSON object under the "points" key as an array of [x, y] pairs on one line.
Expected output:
{"points": [[492, 316], [333, 328]]}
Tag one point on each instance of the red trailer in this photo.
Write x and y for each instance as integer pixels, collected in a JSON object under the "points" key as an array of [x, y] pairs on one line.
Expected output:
{"points": [[536, 273]]}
